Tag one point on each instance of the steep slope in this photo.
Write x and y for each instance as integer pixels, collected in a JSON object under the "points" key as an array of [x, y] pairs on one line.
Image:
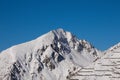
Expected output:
{"points": [[105, 68], [53, 56]]}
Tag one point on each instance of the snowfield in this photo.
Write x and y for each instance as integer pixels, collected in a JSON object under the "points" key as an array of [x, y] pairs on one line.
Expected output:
{"points": [[59, 55]]}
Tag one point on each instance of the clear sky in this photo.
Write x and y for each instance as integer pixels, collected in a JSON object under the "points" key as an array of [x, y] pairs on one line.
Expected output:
{"points": [[97, 21]]}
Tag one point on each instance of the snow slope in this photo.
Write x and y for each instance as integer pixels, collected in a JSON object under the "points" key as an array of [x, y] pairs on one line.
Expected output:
{"points": [[56, 55], [105, 68]]}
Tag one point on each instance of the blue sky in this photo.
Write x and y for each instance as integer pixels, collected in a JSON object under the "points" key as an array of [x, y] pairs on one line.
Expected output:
{"points": [[97, 21]]}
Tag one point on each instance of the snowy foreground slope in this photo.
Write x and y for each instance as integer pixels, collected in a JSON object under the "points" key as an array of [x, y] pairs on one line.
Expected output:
{"points": [[59, 55]]}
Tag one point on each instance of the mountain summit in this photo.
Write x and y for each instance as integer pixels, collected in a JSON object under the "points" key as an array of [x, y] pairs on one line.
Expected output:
{"points": [[56, 55]]}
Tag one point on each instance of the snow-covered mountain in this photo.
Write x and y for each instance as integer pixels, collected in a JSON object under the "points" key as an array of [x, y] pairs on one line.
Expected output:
{"points": [[59, 55], [105, 68]]}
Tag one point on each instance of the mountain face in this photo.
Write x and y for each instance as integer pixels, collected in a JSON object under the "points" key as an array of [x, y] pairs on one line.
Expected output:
{"points": [[59, 55], [105, 68]]}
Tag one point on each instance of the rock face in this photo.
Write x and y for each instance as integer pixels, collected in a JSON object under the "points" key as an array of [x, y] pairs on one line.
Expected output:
{"points": [[58, 55]]}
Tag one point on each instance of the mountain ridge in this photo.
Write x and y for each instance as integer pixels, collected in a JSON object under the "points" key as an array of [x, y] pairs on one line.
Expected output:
{"points": [[47, 57]]}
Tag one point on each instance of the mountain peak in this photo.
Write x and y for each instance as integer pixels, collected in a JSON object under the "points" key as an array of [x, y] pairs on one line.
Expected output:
{"points": [[47, 57], [60, 30], [58, 34], [59, 55]]}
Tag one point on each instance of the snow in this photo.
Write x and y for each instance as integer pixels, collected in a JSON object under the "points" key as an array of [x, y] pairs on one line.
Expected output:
{"points": [[59, 55], [106, 68]]}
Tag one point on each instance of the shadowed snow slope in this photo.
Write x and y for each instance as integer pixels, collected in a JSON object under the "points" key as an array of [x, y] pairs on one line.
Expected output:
{"points": [[55, 55]]}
